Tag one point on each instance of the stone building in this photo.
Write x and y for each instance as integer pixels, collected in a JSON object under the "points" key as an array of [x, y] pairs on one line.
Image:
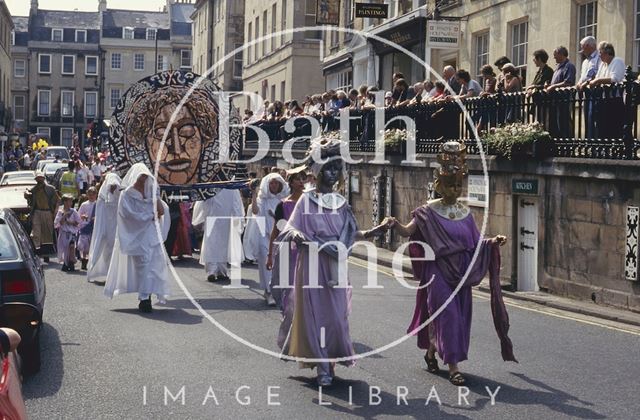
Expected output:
{"points": [[71, 68], [134, 45], [19, 79], [287, 65], [218, 31], [488, 30], [6, 40], [64, 75]]}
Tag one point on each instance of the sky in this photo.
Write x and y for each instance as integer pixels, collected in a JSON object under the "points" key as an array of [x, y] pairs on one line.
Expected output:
{"points": [[21, 7]]}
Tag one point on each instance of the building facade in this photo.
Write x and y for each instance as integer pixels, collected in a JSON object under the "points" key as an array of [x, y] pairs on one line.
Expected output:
{"points": [[6, 39], [218, 31], [134, 45], [488, 30], [20, 71], [63, 73], [71, 68], [285, 66]]}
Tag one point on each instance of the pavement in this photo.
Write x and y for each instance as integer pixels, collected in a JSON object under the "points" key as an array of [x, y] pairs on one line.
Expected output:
{"points": [[385, 259], [102, 359]]}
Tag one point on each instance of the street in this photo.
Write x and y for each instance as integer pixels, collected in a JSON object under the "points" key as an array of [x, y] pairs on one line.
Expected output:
{"points": [[104, 360]]}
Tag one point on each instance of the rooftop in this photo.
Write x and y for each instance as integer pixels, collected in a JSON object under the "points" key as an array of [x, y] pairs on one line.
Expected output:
{"points": [[135, 19], [67, 19]]}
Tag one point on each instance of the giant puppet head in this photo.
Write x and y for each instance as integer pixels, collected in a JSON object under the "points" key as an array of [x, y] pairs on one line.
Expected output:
{"points": [[191, 149]]}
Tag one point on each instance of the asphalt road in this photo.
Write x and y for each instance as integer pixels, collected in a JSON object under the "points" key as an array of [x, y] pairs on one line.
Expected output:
{"points": [[104, 360]]}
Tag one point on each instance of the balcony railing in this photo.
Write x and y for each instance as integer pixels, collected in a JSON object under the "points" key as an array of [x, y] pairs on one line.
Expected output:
{"points": [[599, 123]]}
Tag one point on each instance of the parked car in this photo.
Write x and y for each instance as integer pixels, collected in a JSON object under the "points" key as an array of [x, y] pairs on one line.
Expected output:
{"points": [[41, 163], [50, 170], [22, 288], [18, 177], [60, 151], [12, 197]]}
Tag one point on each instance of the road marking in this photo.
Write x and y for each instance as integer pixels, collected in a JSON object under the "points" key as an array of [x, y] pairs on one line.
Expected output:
{"points": [[548, 311], [322, 339]]}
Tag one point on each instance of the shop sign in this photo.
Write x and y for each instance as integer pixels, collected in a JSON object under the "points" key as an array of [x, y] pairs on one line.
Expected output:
{"points": [[372, 10], [443, 34], [477, 190], [524, 186], [327, 12]]}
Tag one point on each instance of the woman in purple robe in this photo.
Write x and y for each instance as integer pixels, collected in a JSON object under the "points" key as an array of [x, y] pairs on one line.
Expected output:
{"points": [[315, 323], [446, 227]]}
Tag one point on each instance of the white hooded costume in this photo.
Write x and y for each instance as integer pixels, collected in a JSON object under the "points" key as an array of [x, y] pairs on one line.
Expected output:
{"points": [[139, 263], [267, 203], [221, 244], [104, 232]]}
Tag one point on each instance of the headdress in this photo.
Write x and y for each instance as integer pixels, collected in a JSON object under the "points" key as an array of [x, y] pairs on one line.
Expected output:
{"points": [[452, 159], [321, 151]]}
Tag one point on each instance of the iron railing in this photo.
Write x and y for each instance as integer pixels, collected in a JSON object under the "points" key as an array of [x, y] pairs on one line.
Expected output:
{"points": [[600, 123]]}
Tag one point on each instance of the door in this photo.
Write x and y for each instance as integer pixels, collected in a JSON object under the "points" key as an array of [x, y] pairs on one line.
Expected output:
{"points": [[527, 244]]}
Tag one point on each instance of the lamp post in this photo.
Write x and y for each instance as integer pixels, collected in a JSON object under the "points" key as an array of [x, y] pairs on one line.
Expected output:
{"points": [[3, 142]]}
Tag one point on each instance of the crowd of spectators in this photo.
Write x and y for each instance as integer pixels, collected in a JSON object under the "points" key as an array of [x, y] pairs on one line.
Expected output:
{"points": [[599, 66]]}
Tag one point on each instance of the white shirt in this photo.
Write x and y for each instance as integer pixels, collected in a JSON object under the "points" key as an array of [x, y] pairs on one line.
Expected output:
{"points": [[590, 67], [614, 70], [97, 170]]}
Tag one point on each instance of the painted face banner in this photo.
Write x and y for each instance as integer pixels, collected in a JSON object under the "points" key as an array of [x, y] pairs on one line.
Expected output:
{"points": [[189, 160]]}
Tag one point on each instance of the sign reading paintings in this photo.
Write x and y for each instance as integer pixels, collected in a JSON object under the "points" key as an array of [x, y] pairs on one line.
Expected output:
{"points": [[328, 12], [443, 34], [190, 162], [372, 10]]}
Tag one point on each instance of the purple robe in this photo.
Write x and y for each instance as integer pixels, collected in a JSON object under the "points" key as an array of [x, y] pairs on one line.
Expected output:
{"points": [[307, 311], [454, 244]]}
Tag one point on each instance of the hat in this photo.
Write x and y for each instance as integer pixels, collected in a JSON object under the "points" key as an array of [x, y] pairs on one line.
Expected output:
{"points": [[388, 95], [39, 174]]}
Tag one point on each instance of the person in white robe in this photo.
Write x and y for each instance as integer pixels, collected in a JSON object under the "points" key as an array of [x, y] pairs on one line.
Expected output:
{"points": [[139, 263], [273, 188], [87, 225], [221, 243], [104, 232]]}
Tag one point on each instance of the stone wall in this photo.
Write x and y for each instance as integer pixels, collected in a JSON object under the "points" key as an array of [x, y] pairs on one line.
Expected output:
{"points": [[582, 224]]}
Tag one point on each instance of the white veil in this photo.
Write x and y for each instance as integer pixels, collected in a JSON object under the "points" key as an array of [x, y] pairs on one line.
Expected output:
{"points": [[103, 237]]}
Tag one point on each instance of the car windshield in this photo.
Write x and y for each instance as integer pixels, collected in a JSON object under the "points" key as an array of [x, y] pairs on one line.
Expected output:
{"points": [[8, 245]]}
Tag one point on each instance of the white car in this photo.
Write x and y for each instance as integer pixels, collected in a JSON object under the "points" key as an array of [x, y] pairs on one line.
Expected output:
{"points": [[42, 163], [18, 177], [60, 151]]}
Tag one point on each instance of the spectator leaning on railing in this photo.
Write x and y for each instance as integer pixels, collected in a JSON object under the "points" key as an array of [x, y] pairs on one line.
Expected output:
{"points": [[560, 116], [591, 63], [544, 74], [611, 69]]}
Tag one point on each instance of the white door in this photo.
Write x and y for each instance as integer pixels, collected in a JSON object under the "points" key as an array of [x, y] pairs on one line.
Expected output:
{"points": [[527, 243]]}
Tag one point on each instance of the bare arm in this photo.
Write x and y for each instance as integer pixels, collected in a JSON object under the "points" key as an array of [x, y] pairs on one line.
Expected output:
{"points": [[274, 234], [403, 230]]}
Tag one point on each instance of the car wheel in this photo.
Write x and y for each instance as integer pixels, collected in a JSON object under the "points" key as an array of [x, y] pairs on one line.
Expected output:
{"points": [[31, 356]]}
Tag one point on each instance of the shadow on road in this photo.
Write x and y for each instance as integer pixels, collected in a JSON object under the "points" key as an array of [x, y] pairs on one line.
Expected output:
{"points": [[48, 381], [361, 406], [363, 348], [223, 304], [168, 315], [553, 398]]}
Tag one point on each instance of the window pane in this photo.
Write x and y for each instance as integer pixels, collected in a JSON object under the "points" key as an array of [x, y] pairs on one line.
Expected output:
{"points": [[92, 65], [138, 61], [115, 96], [45, 64], [67, 104], [67, 64], [43, 103]]}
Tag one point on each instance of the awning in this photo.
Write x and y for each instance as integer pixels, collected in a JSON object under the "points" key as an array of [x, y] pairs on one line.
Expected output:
{"points": [[405, 35], [338, 64]]}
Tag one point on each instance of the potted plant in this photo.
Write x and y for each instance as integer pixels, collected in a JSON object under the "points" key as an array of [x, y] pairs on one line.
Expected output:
{"points": [[395, 140], [520, 141]]}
